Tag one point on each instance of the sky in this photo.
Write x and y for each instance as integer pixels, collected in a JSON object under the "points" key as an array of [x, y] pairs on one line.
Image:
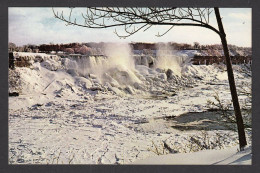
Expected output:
{"points": [[39, 26]]}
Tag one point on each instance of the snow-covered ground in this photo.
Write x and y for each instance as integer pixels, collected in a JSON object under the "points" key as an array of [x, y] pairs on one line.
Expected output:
{"points": [[228, 156], [114, 111]]}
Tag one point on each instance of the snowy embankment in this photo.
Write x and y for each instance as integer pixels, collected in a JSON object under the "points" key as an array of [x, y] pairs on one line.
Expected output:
{"points": [[113, 111], [229, 156]]}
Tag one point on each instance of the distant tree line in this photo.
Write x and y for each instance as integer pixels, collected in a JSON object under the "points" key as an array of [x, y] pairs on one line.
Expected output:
{"points": [[25, 48], [96, 48]]}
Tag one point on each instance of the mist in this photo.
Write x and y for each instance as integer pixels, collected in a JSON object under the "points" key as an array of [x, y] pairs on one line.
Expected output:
{"points": [[167, 59], [117, 64]]}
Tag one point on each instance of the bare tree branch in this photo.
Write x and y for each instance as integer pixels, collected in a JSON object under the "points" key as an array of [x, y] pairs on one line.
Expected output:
{"points": [[106, 17]]}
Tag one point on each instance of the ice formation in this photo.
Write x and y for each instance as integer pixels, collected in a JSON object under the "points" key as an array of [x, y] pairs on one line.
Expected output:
{"points": [[118, 71]]}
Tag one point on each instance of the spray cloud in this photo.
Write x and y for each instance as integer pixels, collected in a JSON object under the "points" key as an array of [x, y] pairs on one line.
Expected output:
{"points": [[166, 58]]}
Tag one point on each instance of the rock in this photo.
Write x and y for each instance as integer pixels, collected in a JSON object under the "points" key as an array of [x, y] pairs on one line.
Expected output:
{"points": [[169, 74]]}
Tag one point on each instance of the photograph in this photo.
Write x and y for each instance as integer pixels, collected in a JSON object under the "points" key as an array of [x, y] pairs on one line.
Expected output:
{"points": [[129, 86]]}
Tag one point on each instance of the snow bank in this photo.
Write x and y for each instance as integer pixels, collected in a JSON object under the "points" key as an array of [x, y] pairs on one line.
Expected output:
{"points": [[229, 156]]}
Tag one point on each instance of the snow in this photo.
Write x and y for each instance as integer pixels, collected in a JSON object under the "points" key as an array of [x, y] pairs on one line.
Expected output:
{"points": [[102, 110], [229, 156]]}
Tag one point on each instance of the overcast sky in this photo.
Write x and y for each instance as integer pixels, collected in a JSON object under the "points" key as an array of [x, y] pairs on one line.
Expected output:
{"points": [[38, 26]]}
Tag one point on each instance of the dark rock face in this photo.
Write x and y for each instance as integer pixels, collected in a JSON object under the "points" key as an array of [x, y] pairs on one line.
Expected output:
{"points": [[169, 74], [208, 60]]}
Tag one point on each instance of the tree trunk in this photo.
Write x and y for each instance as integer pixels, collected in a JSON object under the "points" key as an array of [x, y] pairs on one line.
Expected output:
{"points": [[239, 119]]}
